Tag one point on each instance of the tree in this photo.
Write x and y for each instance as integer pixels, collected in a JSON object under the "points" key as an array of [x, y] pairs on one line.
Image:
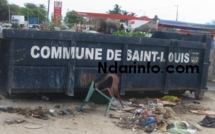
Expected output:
{"points": [[42, 6], [71, 18], [3, 10], [116, 10], [29, 10], [133, 14], [30, 5], [124, 12], [14, 9], [55, 24], [32, 10]]}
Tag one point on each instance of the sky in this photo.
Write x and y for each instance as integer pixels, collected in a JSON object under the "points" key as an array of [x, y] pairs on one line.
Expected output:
{"points": [[193, 11]]}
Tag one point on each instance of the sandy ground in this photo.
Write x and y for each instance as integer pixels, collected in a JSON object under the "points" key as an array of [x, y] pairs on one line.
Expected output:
{"points": [[91, 122]]}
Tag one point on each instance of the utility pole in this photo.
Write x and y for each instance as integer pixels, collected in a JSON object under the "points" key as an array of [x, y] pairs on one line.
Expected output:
{"points": [[9, 12], [67, 16], [177, 13], [48, 10], [38, 15], [28, 17]]}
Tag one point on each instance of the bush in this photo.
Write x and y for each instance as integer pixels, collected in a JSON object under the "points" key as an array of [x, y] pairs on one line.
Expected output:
{"points": [[132, 34]]}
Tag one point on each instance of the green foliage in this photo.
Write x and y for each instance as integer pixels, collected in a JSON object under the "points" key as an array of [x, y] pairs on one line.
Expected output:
{"points": [[132, 34], [52, 25], [30, 5], [57, 23], [4, 13], [29, 10], [14, 9], [71, 19], [70, 25], [34, 10], [118, 10]]}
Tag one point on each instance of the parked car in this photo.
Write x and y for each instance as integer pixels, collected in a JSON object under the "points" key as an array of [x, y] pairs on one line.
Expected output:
{"points": [[34, 26]]}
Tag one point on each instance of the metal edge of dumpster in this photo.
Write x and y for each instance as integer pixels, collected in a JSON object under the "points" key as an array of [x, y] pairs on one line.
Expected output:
{"points": [[3, 64], [199, 93], [206, 40]]}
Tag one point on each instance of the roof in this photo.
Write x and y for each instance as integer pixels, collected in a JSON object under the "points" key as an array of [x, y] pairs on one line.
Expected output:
{"points": [[114, 16], [186, 25]]}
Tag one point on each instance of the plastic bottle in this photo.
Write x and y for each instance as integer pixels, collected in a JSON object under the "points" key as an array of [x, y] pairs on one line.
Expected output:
{"points": [[149, 121]]}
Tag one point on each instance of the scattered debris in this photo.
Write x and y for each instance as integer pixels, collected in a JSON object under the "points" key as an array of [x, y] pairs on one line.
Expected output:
{"points": [[203, 112], [180, 128], [14, 121], [148, 114], [151, 115], [52, 112], [195, 126], [39, 112], [167, 103], [65, 112], [57, 106], [171, 98], [117, 103], [163, 126], [133, 100], [129, 109], [196, 102]]}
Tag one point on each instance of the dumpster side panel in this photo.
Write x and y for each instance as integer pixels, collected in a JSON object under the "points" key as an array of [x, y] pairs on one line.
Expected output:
{"points": [[205, 66], [68, 62], [40, 52], [46, 79], [181, 37], [4, 65], [32, 74]]}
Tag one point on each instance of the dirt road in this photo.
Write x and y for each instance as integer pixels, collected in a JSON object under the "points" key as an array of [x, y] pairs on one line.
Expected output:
{"points": [[92, 122]]}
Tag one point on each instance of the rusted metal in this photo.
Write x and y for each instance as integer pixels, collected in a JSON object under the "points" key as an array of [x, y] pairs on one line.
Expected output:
{"points": [[204, 44], [86, 78]]}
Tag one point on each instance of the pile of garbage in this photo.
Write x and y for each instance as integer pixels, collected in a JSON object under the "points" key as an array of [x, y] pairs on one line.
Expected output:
{"points": [[38, 112], [152, 115]]}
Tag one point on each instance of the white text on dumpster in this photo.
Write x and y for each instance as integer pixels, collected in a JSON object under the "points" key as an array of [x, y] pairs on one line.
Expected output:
{"points": [[46, 52]]}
